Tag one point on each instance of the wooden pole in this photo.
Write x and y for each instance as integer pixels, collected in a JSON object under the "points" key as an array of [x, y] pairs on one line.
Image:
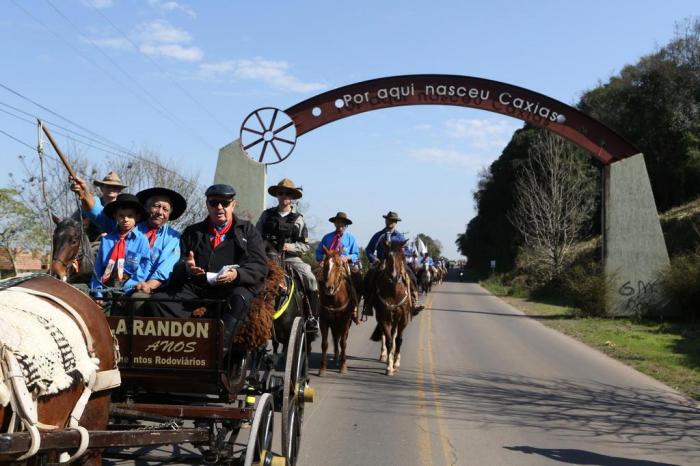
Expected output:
{"points": [[66, 164]]}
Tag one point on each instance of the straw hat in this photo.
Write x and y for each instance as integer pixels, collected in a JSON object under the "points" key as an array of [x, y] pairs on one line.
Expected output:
{"points": [[285, 185], [342, 216], [392, 216], [112, 179]]}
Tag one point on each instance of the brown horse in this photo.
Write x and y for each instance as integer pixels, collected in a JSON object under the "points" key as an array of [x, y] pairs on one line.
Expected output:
{"points": [[72, 259], [55, 410], [338, 302], [393, 305]]}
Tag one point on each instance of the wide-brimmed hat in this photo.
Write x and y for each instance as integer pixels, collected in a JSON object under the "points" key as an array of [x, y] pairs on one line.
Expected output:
{"points": [[125, 200], [178, 204], [341, 216], [285, 185], [392, 216], [112, 179]]}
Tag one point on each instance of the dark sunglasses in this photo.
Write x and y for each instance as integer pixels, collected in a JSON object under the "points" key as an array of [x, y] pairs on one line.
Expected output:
{"points": [[216, 202]]}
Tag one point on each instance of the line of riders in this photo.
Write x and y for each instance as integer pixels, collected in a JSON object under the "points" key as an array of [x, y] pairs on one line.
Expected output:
{"points": [[222, 257]]}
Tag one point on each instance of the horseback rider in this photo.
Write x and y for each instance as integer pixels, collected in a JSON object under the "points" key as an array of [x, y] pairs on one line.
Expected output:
{"points": [[285, 229], [376, 251], [343, 241], [162, 205], [110, 187], [223, 257]]}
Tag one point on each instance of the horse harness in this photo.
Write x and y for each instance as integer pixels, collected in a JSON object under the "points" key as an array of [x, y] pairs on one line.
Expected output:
{"points": [[23, 404]]}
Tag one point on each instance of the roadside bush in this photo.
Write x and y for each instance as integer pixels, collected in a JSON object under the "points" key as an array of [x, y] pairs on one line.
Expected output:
{"points": [[587, 289], [681, 283]]}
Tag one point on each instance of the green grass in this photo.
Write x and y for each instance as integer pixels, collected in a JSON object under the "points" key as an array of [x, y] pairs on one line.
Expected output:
{"points": [[668, 352]]}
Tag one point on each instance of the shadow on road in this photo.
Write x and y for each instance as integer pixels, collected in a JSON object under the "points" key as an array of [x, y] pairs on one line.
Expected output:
{"points": [[472, 293], [646, 419], [501, 314], [571, 456]]}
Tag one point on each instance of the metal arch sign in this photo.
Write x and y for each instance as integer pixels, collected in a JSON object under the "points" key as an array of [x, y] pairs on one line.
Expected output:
{"points": [[464, 91]]}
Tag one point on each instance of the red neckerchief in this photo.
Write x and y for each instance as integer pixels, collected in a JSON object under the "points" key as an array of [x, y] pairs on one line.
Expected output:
{"points": [[218, 233], [117, 256], [335, 244], [151, 236]]}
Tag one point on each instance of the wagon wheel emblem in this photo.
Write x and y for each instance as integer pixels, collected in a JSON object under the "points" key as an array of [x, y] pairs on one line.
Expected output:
{"points": [[268, 132]]}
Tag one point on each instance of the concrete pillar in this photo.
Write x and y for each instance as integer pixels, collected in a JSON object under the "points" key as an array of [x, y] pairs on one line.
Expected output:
{"points": [[634, 250], [234, 167]]}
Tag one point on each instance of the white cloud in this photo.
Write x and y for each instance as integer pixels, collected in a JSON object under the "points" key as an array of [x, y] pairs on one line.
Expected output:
{"points": [[482, 134], [170, 6], [99, 4], [117, 43], [162, 38], [178, 52], [274, 73], [451, 157], [423, 126], [161, 31]]}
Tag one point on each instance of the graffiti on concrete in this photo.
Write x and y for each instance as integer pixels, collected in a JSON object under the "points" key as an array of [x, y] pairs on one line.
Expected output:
{"points": [[637, 299]]}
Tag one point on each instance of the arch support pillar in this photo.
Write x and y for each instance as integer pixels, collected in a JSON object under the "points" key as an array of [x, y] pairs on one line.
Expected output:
{"points": [[234, 167], [634, 250]]}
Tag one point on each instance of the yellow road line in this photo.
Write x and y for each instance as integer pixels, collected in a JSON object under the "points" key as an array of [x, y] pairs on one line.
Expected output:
{"points": [[426, 453], [446, 448]]}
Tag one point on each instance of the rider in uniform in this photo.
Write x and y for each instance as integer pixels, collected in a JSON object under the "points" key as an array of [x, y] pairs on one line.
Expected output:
{"points": [[285, 229], [376, 252]]}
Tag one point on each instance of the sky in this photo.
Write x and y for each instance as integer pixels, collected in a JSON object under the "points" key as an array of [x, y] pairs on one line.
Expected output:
{"points": [[179, 78]]}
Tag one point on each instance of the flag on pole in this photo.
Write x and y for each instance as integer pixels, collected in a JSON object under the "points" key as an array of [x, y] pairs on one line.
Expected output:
{"points": [[420, 247]]}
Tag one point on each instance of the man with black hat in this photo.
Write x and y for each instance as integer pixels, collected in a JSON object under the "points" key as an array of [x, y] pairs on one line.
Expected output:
{"points": [[222, 257], [123, 259], [375, 252], [284, 228], [162, 205], [110, 187]]}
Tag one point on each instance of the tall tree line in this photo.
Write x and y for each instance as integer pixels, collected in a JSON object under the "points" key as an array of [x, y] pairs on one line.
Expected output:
{"points": [[655, 104]]}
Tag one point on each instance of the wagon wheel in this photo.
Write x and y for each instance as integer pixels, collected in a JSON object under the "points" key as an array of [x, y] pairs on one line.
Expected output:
{"points": [[296, 391], [260, 440], [268, 135]]}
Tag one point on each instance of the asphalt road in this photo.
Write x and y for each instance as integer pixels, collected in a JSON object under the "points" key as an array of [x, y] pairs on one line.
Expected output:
{"points": [[482, 384]]}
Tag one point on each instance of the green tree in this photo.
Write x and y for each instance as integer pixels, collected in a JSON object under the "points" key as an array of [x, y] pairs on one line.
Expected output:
{"points": [[20, 229]]}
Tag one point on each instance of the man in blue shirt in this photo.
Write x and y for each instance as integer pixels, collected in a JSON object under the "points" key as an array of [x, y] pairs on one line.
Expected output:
{"points": [[376, 251], [340, 240], [162, 205], [343, 241]]}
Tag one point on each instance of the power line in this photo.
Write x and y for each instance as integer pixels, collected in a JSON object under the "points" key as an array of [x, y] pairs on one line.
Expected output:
{"points": [[154, 63], [163, 110], [96, 65], [35, 117], [122, 151]]}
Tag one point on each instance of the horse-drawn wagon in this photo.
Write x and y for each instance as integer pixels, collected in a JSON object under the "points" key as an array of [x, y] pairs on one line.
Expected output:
{"points": [[178, 386]]}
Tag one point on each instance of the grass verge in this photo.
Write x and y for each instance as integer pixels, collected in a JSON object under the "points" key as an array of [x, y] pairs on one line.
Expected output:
{"points": [[666, 351]]}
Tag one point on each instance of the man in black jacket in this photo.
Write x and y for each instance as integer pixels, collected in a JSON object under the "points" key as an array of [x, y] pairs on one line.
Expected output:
{"points": [[222, 257]]}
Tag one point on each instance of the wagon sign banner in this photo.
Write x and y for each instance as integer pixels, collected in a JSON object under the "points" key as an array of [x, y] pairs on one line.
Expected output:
{"points": [[166, 343]]}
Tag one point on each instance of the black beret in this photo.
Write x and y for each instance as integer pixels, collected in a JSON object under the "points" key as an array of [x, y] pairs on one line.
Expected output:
{"points": [[223, 190]]}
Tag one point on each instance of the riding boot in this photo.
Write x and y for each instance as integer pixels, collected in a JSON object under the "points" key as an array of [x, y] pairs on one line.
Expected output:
{"points": [[314, 304], [231, 326], [416, 308]]}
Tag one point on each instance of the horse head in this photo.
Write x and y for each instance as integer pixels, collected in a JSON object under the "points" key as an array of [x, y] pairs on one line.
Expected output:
{"points": [[66, 246], [333, 271], [394, 262]]}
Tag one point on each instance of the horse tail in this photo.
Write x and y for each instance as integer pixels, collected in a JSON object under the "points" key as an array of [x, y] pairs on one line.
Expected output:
{"points": [[377, 334]]}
